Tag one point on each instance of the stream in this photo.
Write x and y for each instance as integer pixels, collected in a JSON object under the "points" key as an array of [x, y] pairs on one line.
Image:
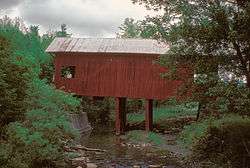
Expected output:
{"points": [[120, 153]]}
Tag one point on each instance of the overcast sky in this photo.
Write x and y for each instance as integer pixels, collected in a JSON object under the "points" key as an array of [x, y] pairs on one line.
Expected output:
{"points": [[84, 18]]}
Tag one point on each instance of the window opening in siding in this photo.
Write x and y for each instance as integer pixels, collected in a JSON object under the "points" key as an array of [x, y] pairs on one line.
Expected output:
{"points": [[68, 72]]}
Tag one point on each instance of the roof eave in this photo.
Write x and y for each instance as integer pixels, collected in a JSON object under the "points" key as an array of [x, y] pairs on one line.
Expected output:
{"points": [[54, 52]]}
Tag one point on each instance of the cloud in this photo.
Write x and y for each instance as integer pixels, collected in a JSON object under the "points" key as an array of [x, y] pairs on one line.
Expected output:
{"points": [[90, 18], [6, 4]]}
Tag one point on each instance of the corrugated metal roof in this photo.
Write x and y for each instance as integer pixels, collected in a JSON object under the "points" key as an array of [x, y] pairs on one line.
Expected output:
{"points": [[107, 45]]}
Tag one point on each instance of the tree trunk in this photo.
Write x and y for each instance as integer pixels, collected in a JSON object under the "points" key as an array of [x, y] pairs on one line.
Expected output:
{"points": [[248, 80], [199, 111]]}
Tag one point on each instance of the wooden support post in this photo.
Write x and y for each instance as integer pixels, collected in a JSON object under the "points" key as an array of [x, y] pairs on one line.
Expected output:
{"points": [[149, 115], [120, 121]]}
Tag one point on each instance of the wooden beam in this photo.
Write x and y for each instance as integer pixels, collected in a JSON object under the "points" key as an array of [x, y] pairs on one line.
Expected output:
{"points": [[149, 115], [120, 121]]}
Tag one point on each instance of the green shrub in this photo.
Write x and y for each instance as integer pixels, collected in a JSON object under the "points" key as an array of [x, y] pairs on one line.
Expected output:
{"points": [[191, 133], [38, 139], [37, 126], [99, 111], [28, 148], [13, 85], [227, 143], [221, 142]]}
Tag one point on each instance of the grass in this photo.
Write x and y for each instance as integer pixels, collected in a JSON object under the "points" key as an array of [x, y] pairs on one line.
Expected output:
{"points": [[146, 137], [164, 113], [192, 133]]}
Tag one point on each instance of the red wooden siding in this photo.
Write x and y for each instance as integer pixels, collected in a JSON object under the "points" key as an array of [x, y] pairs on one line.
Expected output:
{"points": [[114, 75]]}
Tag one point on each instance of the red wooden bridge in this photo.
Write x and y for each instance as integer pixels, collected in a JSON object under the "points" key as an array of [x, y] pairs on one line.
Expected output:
{"points": [[120, 68]]}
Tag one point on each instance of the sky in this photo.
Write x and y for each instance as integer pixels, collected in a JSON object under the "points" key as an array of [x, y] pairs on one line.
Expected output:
{"points": [[84, 18]]}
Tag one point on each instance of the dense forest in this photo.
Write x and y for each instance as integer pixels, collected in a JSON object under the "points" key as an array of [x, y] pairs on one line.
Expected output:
{"points": [[212, 37]]}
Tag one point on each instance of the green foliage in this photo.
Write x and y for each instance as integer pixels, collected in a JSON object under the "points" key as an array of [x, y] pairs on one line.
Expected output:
{"points": [[226, 143], [50, 99], [146, 137], [129, 28], [135, 105], [13, 85], [231, 97], [191, 133], [45, 129], [37, 138], [30, 148], [212, 37], [63, 32], [99, 111], [28, 49], [137, 29], [167, 112]]}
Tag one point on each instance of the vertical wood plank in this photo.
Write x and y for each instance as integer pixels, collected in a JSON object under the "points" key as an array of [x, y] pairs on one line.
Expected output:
{"points": [[116, 75], [149, 115]]}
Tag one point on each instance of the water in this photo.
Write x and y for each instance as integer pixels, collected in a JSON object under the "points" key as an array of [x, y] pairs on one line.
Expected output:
{"points": [[120, 153]]}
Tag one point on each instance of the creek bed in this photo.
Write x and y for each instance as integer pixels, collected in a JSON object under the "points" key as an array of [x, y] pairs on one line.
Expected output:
{"points": [[122, 154]]}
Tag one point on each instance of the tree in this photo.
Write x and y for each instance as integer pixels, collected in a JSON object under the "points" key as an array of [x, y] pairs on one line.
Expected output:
{"points": [[34, 30], [13, 85], [129, 29], [212, 36], [208, 29], [137, 29], [33, 113], [63, 32]]}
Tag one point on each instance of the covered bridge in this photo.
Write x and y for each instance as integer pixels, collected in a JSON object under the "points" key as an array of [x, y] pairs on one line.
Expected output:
{"points": [[120, 68]]}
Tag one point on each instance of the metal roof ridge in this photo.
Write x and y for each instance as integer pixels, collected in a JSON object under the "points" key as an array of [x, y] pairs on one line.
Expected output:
{"points": [[94, 38], [112, 45]]}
